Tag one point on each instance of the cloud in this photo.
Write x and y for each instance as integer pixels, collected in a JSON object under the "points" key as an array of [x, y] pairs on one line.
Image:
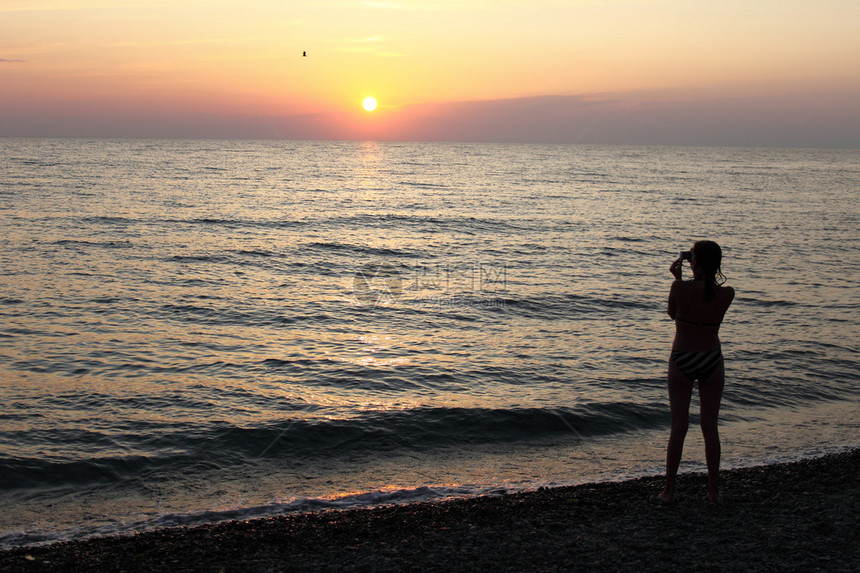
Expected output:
{"points": [[813, 119], [371, 50], [788, 120], [384, 5], [8, 61], [423, 6], [549, 119], [370, 45]]}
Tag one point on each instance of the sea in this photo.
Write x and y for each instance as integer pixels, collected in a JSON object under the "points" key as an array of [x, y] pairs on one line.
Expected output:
{"points": [[195, 331]]}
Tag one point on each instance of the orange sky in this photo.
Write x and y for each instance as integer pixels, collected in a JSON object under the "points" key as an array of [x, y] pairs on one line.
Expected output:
{"points": [[636, 71]]}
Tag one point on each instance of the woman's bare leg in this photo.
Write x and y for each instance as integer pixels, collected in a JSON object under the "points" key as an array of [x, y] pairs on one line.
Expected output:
{"points": [[710, 395], [680, 392]]}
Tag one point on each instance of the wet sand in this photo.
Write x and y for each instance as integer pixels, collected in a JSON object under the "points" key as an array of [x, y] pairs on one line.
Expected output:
{"points": [[801, 516]]}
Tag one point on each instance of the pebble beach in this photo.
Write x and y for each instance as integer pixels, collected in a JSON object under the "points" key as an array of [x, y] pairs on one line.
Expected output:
{"points": [[798, 516]]}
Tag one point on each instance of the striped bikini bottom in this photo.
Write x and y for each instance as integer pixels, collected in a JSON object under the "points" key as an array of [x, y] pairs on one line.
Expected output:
{"points": [[697, 365]]}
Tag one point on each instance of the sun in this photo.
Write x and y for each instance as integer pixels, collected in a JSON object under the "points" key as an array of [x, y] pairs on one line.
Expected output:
{"points": [[369, 103]]}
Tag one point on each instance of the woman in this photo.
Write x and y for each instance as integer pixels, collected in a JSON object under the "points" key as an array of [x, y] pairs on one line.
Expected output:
{"points": [[697, 307]]}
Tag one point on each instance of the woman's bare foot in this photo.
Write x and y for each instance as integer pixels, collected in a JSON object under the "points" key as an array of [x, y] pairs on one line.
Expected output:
{"points": [[666, 497]]}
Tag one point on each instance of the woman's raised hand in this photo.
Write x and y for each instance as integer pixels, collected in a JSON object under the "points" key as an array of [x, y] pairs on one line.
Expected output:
{"points": [[676, 267]]}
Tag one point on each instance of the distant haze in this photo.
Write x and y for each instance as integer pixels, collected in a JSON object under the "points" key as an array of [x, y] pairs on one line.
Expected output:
{"points": [[592, 71]]}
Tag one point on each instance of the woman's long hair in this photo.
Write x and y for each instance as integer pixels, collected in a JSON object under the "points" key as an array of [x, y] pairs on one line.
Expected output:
{"points": [[709, 255]]}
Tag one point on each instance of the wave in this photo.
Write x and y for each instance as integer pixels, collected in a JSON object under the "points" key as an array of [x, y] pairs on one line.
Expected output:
{"points": [[256, 253], [108, 219], [213, 315], [468, 225], [367, 499], [171, 448], [361, 249], [103, 244], [198, 259], [237, 223], [430, 223], [424, 185], [562, 306]]}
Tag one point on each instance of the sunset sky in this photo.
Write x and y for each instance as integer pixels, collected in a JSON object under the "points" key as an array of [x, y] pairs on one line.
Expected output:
{"points": [[735, 72]]}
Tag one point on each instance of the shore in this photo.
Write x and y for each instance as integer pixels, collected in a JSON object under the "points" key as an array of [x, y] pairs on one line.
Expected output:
{"points": [[798, 516]]}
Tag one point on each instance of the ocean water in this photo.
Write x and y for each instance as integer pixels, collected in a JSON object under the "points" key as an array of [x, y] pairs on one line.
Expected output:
{"points": [[205, 330]]}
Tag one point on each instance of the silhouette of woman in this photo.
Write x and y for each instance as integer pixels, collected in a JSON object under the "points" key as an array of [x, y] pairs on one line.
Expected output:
{"points": [[698, 308]]}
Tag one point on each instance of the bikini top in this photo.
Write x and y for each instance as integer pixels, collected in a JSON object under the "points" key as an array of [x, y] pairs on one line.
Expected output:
{"points": [[696, 323]]}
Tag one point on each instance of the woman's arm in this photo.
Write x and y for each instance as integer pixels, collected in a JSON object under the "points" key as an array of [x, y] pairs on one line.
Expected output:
{"points": [[672, 307], [675, 269], [731, 297]]}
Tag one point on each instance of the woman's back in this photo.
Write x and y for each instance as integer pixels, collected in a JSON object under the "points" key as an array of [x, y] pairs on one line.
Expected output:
{"points": [[697, 320]]}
